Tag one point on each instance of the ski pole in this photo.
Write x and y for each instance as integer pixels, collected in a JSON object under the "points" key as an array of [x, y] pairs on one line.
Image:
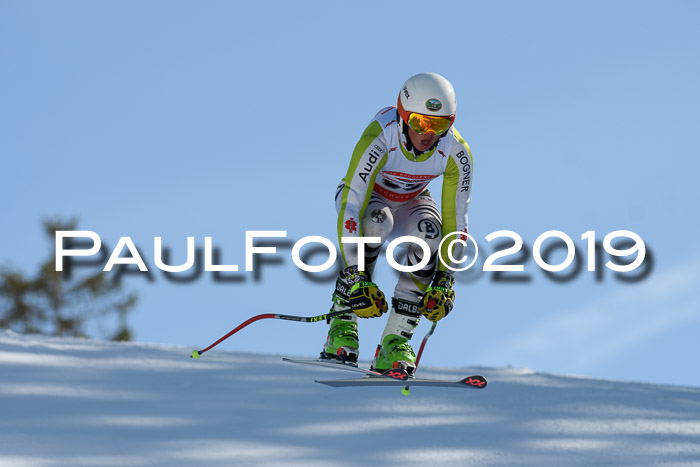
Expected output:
{"points": [[425, 339], [407, 389], [302, 319]]}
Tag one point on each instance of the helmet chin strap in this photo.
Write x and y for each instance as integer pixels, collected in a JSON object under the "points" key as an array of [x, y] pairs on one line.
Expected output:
{"points": [[408, 144]]}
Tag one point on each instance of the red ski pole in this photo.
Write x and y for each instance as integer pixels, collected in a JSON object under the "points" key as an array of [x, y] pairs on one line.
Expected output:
{"points": [[302, 319], [425, 339]]}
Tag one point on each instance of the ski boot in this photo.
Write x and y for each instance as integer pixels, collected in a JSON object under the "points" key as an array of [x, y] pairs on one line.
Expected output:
{"points": [[342, 342], [394, 351]]}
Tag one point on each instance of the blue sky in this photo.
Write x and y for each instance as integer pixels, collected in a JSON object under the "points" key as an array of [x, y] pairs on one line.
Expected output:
{"points": [[173, 119]]}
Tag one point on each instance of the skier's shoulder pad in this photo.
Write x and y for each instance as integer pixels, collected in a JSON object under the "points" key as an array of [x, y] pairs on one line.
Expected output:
{"points": [[459, 142], [386, 117]]}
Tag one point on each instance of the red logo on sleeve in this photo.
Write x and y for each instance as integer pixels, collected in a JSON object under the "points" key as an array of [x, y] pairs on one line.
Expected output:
{"points": [[351, 225]]}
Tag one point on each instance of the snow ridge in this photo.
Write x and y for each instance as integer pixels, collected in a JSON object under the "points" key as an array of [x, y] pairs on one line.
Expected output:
{"points": [[78, 402]]}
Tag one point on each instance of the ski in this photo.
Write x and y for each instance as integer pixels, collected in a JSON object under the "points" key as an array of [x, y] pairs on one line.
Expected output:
{"points": [[397, 377], [337, 365], [473, 382]]}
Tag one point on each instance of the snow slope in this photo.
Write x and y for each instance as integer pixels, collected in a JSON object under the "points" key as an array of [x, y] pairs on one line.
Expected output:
{"points": [[79, 402]]}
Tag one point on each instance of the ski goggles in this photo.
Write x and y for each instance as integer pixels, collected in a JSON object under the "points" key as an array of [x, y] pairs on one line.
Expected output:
{"points": [[424, 123]]}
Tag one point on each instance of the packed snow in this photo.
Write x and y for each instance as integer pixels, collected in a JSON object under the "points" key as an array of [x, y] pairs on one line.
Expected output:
{"points": [[79, 402]]}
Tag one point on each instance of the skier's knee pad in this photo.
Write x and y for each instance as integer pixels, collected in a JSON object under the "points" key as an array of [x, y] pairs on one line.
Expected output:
{"points": [[377, 222]]}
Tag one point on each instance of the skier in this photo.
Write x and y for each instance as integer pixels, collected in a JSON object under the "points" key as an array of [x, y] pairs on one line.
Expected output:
{"points": [[384, 194]]}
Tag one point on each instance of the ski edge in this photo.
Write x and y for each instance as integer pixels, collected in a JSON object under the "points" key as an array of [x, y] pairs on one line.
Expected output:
{"points": [[332, 365]]}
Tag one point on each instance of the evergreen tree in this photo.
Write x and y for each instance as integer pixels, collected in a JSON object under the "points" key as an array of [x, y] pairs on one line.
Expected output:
{"points": [[49, 303]]}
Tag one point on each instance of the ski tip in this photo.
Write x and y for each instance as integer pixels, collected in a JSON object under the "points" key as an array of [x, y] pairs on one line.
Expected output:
{"points": [[196, 354], [476, 381]]}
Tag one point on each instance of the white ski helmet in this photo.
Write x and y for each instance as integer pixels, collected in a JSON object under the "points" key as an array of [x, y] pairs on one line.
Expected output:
{"points": [[427, 94]]}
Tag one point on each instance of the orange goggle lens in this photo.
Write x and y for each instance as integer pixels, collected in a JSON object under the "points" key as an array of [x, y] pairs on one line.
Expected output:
{"points": [[425, 123]]}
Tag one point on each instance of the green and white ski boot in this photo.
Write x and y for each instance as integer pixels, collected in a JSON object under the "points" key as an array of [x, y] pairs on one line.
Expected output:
{"points": [[343, 342], [394, 351]]}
